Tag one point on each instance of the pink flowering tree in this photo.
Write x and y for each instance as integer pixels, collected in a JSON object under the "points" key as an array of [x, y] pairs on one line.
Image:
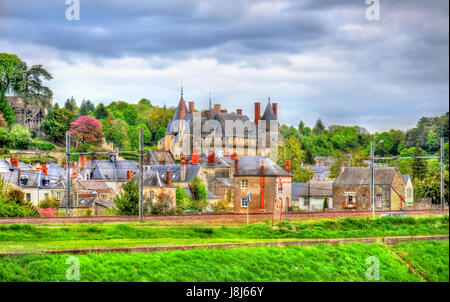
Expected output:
{"points": [[2, 121], [87, 130]]}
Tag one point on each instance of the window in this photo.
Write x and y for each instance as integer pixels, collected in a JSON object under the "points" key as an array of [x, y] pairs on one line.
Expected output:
{"points": [[244, 202], [28, 197], [350, 199], [152, 195], [45, 195], [379, 197], [409, 193], [58, 195], [364, 199], [306, 202], [244, 184]]}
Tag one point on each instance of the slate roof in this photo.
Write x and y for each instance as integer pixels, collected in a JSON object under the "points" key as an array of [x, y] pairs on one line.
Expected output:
{"points": [[154, 157], [4, 166], [91, 185], [269, 114], [322, 188], [35, 179], [54, 171], [154, 179], [251, 166], [296, 189], [361, 176], [112, 170], [191, 171]]}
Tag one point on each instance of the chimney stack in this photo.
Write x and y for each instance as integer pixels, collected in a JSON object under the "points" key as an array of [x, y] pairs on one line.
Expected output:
{"points": [[15, 161], [211, 157], [257, 112], [239, 111], [82, 161], [44, 168], [182, 109], [236, 165], [275, 109], [342, 167], [191, 107], [263, 167], [217, 109], [287, 166], [168, 177], [182, 170], [195, 158], [129, 174]]}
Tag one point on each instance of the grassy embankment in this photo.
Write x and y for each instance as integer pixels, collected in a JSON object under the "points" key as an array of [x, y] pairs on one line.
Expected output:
{"points": [[31, 238], [344, 262]]}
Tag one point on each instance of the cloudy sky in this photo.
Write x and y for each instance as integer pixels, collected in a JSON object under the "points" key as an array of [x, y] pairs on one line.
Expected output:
{"points": [[315, 58]]}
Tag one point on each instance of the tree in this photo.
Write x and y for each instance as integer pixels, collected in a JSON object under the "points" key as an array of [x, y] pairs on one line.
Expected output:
{"points": [[419, 165], [302, 174], [358, 158], [56, 123], [31, 88], [319, 127], [87, 129], [301, 125], [86, 108], [100, 111], [160, 134], [71, 105], [114, 135], [432, 142], [145, 102], [309, 157], [199, 196], [11, 69], [335, 167], [131, 115], [162, 203], [127, 202], [182, 199]]}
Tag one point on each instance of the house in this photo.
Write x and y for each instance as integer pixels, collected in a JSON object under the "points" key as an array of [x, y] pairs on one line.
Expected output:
{"points": [[351, 189], [311, 196], [180, 130], [95, 195], [114, 172], [409, 191], [181, 174], [264, 181], [158, 184], [34, 183]]}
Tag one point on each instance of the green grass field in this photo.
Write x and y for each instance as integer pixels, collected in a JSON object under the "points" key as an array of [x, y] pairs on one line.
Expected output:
{"points": [[29, 238], [344, 262]]}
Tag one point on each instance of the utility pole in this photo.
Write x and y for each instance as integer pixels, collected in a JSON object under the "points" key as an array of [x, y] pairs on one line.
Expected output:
{"points": [[141, 176], [68, 172], [309, 193], [372, 179], [442, 175]]}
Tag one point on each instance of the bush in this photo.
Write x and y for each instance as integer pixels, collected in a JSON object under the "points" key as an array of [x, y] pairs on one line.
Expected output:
{"points": [[162, 205], [43, 146], [49, 203]]}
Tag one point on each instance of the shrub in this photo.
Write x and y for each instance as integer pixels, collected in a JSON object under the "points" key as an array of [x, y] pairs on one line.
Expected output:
{"points": [[43, 146], [50, 202]]}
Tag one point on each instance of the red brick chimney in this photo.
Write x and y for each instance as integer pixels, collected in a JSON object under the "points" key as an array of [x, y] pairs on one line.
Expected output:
{"points": [[239, 111], [129, 174], [287, 166], [236, 165], [217, 109], [342, 167], [44, 168], [82, 161], [191, 107], [275, 109], [195, 158], [168, 177], [211, 157], [257, 112], [234, 156], [182, 109], [182, 170], [263, 167], [15, 161]]}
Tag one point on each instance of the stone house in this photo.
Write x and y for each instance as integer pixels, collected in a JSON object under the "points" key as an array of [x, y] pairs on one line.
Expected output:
{"points": [[351, 189], [155, 184], [311, 196], [264, 180]]}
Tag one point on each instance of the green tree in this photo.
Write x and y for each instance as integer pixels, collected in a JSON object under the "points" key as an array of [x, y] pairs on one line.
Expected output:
{"points": [[301, 125], [160, 134], [418, 165], [56, 123], [199, 196], [145, 102], [182, 199], [309, 157], [11, 70], [114, 135], [319, 127], [127, 202], [71, 105], [335, 167], [86, 107], [432, 142], [101, 112], [131, 115]]}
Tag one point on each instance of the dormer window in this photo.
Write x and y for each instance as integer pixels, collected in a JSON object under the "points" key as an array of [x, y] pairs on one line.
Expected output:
{"points": [[23, 180]]}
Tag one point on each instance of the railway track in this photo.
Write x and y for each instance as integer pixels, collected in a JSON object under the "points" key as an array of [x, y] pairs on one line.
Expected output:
{"points": [[101, 219]]}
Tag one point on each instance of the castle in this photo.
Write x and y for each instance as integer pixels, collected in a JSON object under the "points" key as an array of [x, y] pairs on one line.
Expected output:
{"points": [[257, 138]]}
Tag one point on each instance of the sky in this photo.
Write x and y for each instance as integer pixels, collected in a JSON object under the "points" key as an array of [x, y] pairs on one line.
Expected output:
{"points": [[314, 58]]}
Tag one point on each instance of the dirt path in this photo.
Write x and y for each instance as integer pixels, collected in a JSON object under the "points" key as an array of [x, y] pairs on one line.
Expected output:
{"points": [[305, 242]]}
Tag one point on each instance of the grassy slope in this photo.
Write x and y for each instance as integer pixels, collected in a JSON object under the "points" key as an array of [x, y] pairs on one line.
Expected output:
{"points": [[20, 238], [313, 263], [431, 258]]}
